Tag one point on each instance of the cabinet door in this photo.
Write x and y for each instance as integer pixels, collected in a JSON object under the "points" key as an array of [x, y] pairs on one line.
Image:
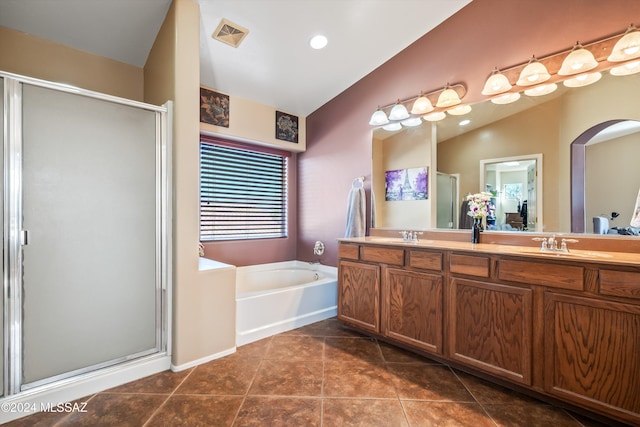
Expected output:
{"points": [[491, 328], [412, 309], [359, 295], [592, 354]]}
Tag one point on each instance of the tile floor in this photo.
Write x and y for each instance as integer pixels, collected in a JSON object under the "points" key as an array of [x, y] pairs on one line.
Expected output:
{"points": [[317, 375]]}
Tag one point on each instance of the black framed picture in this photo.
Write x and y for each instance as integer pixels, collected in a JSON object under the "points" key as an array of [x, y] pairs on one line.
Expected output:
{"points": [[286, 127], [214, 108]]}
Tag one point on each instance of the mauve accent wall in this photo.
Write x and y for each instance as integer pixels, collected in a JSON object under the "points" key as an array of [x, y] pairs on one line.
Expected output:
{"points": [[465, 48]]}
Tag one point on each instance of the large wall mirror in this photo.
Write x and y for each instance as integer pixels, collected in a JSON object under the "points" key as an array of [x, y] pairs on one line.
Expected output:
{"points": [[602, 182]]}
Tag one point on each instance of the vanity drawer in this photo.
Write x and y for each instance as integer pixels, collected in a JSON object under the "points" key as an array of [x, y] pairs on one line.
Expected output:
{"points": [[347, 251], [620, 283], [426, 260], [469, 265], [382, 255], [543, 274]]}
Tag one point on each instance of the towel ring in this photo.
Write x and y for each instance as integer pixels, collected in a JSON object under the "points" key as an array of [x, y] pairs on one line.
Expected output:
{"points": [[358, 182]]}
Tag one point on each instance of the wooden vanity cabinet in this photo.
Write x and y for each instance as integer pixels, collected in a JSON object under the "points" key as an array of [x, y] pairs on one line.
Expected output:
{"points": [[359, 295], [491, 328], [592, 354], [563, 328], [490, 325], [412, 308]]}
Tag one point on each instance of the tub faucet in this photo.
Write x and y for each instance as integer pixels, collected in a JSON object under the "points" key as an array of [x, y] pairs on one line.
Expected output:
{"points": [[318, 248]]}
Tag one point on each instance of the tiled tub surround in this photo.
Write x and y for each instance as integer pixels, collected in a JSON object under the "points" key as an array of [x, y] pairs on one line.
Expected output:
{"points": [[318, 375]]}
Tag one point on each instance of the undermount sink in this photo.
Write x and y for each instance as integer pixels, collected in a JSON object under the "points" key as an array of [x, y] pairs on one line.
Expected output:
{"points": [[580, 254], [536, 251]]}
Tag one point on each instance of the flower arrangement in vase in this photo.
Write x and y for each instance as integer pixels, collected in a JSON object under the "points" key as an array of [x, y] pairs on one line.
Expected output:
{"points": [[478, 209]]}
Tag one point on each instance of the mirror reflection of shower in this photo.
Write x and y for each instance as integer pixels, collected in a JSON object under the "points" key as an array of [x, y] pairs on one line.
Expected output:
{"points": [[447, 203]]}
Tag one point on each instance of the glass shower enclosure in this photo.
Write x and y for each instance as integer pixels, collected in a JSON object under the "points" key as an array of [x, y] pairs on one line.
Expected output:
{"points": [[86, 240]]}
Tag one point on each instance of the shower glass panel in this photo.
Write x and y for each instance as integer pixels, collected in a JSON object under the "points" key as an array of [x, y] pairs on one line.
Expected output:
{"points": [[447, 196], [2, 353], [89, 196]]}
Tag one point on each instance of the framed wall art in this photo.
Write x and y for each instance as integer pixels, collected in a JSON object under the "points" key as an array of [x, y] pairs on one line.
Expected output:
{"points": [[286, 127], [406, 184], [214, 108]]}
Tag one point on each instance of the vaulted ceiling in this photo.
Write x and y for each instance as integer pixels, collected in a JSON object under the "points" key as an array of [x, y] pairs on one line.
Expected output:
{"points": [[273, 65]]}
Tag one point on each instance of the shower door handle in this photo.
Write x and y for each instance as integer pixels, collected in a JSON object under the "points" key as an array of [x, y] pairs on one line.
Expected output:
{"points": [[24, 237]]}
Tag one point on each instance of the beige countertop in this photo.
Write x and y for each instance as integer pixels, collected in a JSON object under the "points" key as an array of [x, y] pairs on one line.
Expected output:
{"points": [[619, 258]]}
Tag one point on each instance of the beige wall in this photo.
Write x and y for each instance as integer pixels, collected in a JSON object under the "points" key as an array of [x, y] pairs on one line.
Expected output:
{"points": [[31, 56], [204, 301], [526, 133], [613, 180], [408, 149], [614, 99], [253, 122]]}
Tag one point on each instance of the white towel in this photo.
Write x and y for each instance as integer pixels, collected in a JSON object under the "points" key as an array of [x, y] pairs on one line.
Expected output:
{"points": [[356, 213], [635, 219]]}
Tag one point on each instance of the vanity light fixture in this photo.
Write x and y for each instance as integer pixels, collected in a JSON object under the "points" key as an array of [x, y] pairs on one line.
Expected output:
{"points": [[392, 127], [628, 47], [535, 72], [459, 110], [398, 112], [541, 90], [379, 118], [578, 66], [507, 98], [579, 60], [583, 79], [422, 105], [411, 122], [435, 116], [626, 69], [448, 98], [496, 84]]}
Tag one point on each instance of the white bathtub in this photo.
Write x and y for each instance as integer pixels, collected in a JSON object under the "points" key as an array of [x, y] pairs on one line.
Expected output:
{"points": [[278, 297]]}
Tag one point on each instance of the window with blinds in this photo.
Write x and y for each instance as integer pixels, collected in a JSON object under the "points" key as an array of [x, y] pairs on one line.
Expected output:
{"points": [[243, 193]]}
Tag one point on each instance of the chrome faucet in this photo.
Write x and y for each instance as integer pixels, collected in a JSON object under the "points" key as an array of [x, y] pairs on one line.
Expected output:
{"points": [[410, 236], [551, 244]]}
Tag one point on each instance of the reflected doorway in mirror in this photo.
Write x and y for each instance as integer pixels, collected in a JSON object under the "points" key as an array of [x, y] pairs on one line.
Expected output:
{"points": [[519, 179]]}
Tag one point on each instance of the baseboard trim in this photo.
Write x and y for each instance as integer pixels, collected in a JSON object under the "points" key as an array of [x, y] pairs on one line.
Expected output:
{"points": [[182, 367]]}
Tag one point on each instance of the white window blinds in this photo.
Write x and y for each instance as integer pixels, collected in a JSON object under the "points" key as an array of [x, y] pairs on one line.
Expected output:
{"points": [[243, 193]]}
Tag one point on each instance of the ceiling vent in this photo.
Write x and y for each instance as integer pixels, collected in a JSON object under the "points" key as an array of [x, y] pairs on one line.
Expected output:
{"points": [[230, 33]]}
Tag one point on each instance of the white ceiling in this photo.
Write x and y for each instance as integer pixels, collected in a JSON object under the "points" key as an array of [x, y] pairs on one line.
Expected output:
{"points": [[123, 30], [274, 65]]}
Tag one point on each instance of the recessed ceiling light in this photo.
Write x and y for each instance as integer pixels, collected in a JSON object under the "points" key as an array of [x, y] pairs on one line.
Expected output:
{"points": [[465, 122], [318, 42]]}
